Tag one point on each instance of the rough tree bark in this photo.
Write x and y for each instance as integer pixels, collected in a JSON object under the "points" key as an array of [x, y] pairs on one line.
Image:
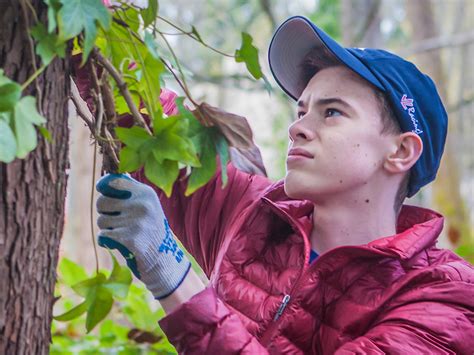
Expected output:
{"points": [[32, 196]]}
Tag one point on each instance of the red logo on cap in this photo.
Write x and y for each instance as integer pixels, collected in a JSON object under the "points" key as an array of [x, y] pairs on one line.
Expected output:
{"points": [[406, 102]]}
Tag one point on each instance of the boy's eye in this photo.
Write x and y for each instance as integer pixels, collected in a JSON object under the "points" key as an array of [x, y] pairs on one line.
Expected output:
{"points": [[330, 112]]}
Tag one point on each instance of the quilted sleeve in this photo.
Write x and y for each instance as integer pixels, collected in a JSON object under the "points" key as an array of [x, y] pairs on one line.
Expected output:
{"points": [[436, 319], [205, 325]]}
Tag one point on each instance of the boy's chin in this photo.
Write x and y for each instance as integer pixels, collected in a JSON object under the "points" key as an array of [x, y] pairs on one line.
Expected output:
{"points": [[293, 189]]}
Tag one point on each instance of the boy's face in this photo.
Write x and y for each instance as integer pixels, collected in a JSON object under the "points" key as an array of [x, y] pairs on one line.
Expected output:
{"points": [[339, 124]]}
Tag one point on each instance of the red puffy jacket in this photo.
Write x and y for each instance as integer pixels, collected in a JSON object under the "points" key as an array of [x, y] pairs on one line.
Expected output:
{"points": [[397, 295]]}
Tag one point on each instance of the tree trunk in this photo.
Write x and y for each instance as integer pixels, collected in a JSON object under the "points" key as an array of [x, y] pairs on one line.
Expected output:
{"points": [[32, 196]]}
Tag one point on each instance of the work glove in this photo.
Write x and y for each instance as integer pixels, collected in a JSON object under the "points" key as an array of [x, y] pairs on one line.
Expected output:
{"points": [[132, 221]]}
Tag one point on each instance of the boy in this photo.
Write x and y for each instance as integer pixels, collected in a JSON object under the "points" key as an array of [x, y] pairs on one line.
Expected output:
{"points": [[328, 260]]}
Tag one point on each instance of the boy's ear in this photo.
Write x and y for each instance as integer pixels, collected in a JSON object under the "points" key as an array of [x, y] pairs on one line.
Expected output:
{"points": [[406, 150]]}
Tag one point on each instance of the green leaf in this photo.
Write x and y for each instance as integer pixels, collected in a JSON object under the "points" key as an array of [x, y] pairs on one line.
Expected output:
{"points": [[133, 137], [207, 151], [129, 160], [70, 272], [222, 148], [248, 54], [151, 45], [162, 175], [83, 288], [196, 33], [25, 117], [45, 133], [48, 44], [173, 147], [7, 143], [77, 15], [149, 83], [101, 302], [10, 93], [73, 313], [119, 280], [53, 8], [150, 13]]}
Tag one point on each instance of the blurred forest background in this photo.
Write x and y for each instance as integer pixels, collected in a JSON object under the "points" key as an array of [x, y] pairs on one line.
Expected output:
{"points": [[438, 35]]}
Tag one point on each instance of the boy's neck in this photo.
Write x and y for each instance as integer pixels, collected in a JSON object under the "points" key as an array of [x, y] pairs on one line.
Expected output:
{"points": [[351, 221]]}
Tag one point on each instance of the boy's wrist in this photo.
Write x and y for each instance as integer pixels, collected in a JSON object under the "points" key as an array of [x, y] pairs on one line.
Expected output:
{"points": [[190, 286]]}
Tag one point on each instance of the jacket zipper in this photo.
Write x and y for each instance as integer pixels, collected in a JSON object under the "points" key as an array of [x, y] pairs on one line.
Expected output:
{"points": [[282, 307]]}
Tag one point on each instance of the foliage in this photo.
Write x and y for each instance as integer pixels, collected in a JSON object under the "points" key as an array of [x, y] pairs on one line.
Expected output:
{"points": [[131, 328], [124, 73]]}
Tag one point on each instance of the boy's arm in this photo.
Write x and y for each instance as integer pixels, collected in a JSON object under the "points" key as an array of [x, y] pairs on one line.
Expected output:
{"points": [[205, 325], [438, 322]]}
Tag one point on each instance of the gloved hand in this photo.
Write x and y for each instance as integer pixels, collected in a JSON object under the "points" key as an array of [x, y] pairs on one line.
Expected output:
{"points": [[132, 220]]}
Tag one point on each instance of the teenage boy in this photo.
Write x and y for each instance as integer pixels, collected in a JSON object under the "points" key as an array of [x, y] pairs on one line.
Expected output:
{"points": [[328, 260]]}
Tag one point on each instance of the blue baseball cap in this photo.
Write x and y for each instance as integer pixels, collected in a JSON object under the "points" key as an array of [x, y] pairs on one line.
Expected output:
{"points": [[412, 95]]}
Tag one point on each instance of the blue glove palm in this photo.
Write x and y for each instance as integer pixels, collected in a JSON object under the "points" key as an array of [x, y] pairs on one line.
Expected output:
{"points": [[132, 221]]}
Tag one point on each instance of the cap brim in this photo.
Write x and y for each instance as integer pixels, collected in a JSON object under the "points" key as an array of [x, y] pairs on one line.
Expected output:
{"points": [[292, 41]]}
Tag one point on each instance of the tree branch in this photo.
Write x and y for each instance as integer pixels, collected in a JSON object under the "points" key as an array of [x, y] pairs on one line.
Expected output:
{"points": [[430, 44], [122, 85]]}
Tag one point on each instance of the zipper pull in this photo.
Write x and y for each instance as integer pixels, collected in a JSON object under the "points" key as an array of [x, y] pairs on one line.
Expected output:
{"points": [[282, 307]]}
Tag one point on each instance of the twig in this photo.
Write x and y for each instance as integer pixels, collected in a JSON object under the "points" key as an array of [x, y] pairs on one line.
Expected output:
{"points": [[431, 44], [122, 85], [190, 34], [81, 107], [92, 209]]}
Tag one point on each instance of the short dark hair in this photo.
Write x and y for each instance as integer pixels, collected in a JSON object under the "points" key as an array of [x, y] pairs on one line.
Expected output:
{"points": [[320, 58]]}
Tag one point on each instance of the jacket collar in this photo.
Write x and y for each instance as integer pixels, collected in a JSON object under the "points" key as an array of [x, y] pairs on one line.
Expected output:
{"points": [[417, 228]]}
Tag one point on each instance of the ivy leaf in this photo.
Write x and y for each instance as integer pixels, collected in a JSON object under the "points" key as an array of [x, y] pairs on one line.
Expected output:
{"points": [[53, 8], [25, 117], [133, 137], [129, 160], [77, 15], [48, 45], [45, 133], [119, 280], [100, 303], [222, 148], [150, 13], [7, 143], [248, 54], [149, 83], [10, 93], [196, 33], [73, 313], [151, 45], [70, 272], [173, 147], [83, 288], [204, 143], [162, 175]]}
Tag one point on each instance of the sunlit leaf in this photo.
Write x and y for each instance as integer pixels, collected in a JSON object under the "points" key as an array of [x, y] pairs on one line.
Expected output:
{"points": [[162, 175], [25, 117], [133, 137], [222, 148], [84, 287], [100, 303], [78, 15], [150, 13], [119, 280], [70, 272], [7, 143], [73, 313], [10, 93], [248, 54], [129, 160], [48, 45]]}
